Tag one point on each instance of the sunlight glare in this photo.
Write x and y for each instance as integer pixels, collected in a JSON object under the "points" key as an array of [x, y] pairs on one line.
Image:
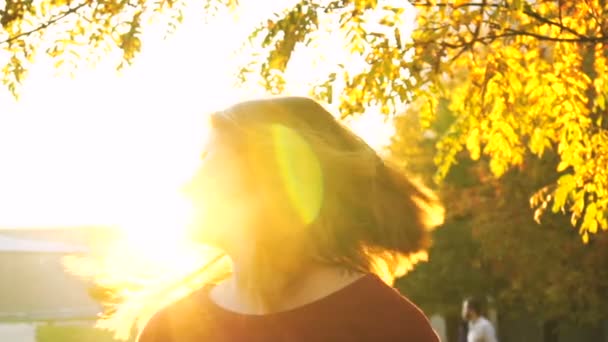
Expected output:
{"points": [[108, 149]]}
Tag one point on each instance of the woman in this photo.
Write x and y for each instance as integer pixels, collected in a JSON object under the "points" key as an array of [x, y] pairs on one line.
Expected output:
{"points": [[312, 220]]}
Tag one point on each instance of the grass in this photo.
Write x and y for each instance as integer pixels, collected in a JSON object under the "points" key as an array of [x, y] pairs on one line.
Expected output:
{"points": [[72, 333]]}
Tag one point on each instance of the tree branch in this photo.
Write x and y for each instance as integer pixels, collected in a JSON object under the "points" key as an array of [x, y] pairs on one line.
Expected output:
{"points": [[475, 39], [582, 39], [544, 20], [466, 45], [51, 21], [470, 4]]}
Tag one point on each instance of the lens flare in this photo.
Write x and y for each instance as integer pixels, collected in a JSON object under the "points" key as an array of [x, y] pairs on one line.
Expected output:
{"points": [[300, 172]]}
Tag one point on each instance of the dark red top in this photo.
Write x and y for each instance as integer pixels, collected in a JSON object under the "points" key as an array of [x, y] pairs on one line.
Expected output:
{"points": [[365, 311]]}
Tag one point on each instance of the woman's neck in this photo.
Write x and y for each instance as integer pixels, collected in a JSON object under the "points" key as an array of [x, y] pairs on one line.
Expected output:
{"points": [[267, 290]]}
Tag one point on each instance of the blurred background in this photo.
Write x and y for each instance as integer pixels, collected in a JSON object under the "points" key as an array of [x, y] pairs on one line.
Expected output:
{"points": [[500, 106]]}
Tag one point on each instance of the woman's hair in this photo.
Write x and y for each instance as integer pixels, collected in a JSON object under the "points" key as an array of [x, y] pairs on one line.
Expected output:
{"points": [[325, 185], [322, 190]]}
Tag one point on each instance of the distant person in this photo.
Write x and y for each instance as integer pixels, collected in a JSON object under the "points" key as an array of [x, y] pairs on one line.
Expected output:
{"points": [[479, 329], [312, 220], [463, 330]]}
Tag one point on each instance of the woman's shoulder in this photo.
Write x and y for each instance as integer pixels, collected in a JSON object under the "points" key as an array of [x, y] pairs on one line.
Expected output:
{"points": [[377, 293], [180, 317], [393, 313]]}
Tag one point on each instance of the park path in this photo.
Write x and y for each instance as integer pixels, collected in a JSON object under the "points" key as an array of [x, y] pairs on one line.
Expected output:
{"points": [[17, 332]]}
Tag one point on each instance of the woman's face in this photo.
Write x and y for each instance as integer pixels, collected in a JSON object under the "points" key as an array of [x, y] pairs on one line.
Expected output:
{"points": [[223, 205]]}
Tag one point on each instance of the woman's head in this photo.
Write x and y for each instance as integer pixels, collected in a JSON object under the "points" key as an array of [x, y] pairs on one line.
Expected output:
{"points": [[282, 176]]}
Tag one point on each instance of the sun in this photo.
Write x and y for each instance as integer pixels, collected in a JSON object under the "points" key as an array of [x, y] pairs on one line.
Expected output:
{"points": [[108, 149]]}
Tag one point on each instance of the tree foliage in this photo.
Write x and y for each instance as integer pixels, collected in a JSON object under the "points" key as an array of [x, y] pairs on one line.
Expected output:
{"points": [[490, 245], [543, 269], [71, 32], [521, 77]]}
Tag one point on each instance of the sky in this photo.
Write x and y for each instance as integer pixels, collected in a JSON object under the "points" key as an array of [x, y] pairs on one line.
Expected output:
{"points": [[108, 148]]}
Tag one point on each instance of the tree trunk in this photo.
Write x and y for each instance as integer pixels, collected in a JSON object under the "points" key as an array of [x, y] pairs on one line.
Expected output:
{"points": [[550, 331]]}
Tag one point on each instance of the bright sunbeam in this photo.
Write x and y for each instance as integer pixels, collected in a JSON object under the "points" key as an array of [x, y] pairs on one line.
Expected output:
{"points": [[108, 149]]}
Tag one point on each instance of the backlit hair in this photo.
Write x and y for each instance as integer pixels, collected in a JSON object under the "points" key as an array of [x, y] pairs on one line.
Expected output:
{"points": [[370, 217]]}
